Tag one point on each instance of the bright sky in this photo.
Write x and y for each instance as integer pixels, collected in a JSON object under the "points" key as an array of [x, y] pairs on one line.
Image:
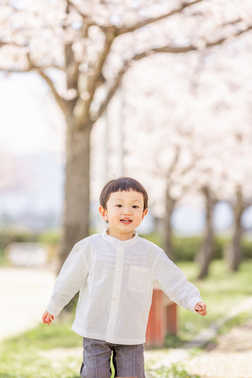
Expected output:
{"points": [[24, 128]]}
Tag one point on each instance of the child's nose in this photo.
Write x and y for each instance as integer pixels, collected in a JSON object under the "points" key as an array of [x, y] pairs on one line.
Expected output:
{"points": [[127, 210]]}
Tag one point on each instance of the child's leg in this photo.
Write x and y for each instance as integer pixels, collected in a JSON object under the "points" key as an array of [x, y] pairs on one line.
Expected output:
{"points": [[96, 359], [129, 360]]}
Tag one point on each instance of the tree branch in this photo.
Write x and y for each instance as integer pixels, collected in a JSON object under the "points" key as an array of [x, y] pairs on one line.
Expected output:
{"points": [[32, 67], [163, 49], [2, 43], [61, 101], [91, 85], [124, 69], [148, 21], [235, 35], [71, 67], [82, 108], [183, 49], [13, 70], [111, 92]]}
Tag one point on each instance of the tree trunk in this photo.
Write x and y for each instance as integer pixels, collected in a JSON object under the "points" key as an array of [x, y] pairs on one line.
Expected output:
{"points": [[206, 252], [169, 205], [233, 252], [76, 203]]}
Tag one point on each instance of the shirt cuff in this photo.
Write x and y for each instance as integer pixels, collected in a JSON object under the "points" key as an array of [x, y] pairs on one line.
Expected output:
{"points": [[53, 309], [192, 302]]}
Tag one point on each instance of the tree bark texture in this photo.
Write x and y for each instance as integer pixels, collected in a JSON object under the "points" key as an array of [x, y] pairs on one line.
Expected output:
{"points": [[169, 205], [76, 204], [233, 251], [206, 252]]}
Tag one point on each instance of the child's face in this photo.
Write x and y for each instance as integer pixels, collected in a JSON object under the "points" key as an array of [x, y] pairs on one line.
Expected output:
{"points": [[124, 213]]}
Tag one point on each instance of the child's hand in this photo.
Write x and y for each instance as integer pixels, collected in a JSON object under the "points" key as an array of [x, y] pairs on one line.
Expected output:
{"points": [[47, 318], [201, 308]]}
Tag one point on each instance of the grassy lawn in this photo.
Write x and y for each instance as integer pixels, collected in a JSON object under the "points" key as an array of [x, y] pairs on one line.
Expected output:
{"points": [[28, 355], [221, 291], [3, 259], [32, 354]]}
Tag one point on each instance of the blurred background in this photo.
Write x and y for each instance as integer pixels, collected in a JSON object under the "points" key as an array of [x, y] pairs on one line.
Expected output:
{"points": [[155, 90], [158, 91]]}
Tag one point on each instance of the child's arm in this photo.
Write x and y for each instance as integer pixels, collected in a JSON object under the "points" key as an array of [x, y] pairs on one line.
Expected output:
{"points": [[72, 277], [201, 308], [47, 318], [175, 284]]}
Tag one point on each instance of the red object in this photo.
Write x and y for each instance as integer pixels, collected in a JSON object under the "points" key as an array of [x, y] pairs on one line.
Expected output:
{"points": [[163, 319]]}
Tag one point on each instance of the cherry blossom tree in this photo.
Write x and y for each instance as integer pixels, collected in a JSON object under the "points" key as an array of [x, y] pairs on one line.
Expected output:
{"points": [[82, 49], [230, 158], [169, 162], [240, 179], [204, 118], [167, 142], [224, 175]]}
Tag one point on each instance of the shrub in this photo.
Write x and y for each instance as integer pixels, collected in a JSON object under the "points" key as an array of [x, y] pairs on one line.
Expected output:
{"points": [[14, 235], [50, 236], [186, 248], [10, 236]]}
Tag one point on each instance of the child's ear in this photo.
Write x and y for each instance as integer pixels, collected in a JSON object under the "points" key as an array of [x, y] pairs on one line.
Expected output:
{"points": [[144, 213], [103, 213]]}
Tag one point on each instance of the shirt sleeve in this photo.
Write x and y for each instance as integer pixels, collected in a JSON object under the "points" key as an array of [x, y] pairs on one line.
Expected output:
{"points": [[174, 283], [72, 277]]}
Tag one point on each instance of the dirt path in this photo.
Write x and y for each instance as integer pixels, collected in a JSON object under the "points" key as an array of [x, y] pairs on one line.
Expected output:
{"points": [[24, 294], [230, 358]]}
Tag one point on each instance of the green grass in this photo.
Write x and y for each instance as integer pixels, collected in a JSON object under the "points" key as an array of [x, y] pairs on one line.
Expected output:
{"points": [[21, 357], [44, 337], [28, 363], [221, 291], [28, 355], [3, 258], [175, 371]]}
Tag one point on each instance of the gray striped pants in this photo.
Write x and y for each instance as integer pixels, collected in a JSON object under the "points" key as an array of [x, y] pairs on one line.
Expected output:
{"points": [[128, 360]]}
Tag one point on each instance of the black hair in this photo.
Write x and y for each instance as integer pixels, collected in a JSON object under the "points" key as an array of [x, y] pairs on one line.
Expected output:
{"points": [[122, 184]]}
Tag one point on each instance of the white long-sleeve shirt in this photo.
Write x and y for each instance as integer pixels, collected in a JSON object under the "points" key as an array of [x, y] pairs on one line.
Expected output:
{"points": [[115, 279]]}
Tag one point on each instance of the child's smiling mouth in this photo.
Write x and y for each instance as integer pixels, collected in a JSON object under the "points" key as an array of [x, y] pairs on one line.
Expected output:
{"points": [[126, 221]]}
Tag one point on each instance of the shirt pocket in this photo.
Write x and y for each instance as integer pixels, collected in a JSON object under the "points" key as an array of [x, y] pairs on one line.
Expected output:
{"points": [[139, 279]]}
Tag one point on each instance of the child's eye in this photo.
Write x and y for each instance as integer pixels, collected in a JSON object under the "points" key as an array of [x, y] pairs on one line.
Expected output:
{"points": [[135, 207], [118, 205]]}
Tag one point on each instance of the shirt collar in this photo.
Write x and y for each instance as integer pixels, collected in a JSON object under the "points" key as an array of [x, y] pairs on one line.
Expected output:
{"points": [[113, 240]]}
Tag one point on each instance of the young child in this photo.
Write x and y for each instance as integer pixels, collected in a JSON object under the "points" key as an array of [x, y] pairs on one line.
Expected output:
{"points": [[115, 272]]}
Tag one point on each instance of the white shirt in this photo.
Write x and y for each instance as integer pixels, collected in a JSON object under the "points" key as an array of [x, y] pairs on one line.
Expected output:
{"points": [[115, 279]]}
